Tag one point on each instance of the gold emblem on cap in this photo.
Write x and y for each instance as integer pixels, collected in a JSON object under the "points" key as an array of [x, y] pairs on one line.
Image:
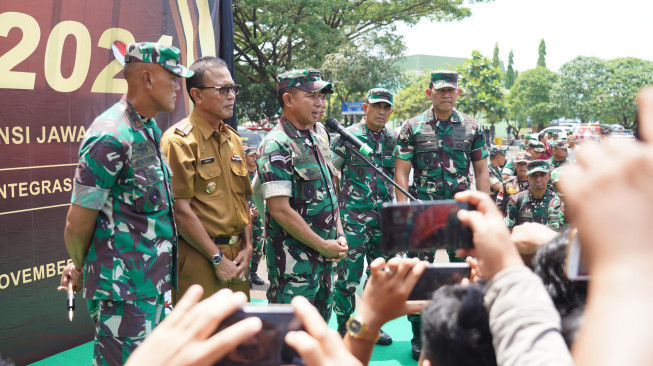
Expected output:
{"points": [[210, 188]]}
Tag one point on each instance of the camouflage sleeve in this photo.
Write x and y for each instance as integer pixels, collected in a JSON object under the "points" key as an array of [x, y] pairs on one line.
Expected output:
{"points": [[555, 214], [509, 168], [274, 169], [182, 163], [511, 213], [405, 149], [339, 153], [101, 158], [479, 149]]}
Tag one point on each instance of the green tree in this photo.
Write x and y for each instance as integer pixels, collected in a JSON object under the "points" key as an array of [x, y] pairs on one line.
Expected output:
{"points": [[272, 36], [623, 78], [411, 99], [509, 76], [577, 90], [530, 96], [482, 90], [495, 57], [542, 51]]}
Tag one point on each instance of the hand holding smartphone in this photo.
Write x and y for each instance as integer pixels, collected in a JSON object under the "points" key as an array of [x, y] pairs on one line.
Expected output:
{"points": [[437, 275]]}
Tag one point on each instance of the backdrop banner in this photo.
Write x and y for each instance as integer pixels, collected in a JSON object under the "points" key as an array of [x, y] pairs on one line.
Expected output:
{"points": [[57, 73]]}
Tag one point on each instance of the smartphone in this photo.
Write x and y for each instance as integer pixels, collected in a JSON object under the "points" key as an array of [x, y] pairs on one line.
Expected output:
{"points": [[266, 348], [437, 275], [575, 267], [424, 225]]}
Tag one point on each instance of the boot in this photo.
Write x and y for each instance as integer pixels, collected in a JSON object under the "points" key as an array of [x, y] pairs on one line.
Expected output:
{"points": [[416, 342], [254, 278]]}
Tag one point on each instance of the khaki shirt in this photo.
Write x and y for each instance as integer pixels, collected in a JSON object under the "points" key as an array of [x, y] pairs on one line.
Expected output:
{"points": [[209, 169]]}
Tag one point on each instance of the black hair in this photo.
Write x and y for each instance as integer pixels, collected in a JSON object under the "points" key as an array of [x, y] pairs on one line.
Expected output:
{"points": [[549, 263], [456, 328], [199, 67]]}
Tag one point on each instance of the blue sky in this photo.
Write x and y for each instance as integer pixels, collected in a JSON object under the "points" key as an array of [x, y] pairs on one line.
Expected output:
{"points": [[605, 29]]}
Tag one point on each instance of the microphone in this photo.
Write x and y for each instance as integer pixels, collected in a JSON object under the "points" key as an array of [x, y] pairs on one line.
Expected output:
{"points": [[334, 125]]}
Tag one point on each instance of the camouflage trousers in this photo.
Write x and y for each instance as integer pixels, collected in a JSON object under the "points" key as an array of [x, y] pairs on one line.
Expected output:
{"points": [[363, 242], [316, 287], [121, 326], [258, 240]]}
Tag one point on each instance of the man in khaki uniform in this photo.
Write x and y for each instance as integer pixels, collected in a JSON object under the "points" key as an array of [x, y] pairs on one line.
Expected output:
{"points": [[210, 186]]}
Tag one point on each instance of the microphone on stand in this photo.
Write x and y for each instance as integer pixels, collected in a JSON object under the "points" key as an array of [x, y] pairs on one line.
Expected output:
{"points": [[334, 125]]}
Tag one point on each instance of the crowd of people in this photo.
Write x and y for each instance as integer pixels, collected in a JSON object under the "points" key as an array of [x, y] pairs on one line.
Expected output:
{"points": [[192, 210]]}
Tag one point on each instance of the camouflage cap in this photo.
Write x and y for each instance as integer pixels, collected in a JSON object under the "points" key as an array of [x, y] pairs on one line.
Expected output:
{"points": [[154, 53], [309, 80], [523, 157], [497, 150], [444, 79], [528, 137], [537, 146], [549, 132], [561, 145], [249, 150], [378, 95], [538, 166]]}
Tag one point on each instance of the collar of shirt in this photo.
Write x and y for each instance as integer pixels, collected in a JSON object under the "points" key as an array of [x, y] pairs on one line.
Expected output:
{"points": [[205, 128], [137, 121]]}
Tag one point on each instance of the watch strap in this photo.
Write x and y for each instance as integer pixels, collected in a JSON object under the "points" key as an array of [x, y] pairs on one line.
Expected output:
{"points": [[357, 329]]}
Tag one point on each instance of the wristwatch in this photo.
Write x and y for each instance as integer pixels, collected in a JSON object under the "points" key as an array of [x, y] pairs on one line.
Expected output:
{"points": [[358, 329], [341, 235], [216, 259]]}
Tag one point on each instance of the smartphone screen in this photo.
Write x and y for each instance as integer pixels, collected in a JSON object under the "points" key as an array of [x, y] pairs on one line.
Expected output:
{"points": [[437, 275], [575, 267], [425, 225], [267, 347]]}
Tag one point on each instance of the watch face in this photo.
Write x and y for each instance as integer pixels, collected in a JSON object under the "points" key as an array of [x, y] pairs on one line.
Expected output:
{"points": [[355, 326]]}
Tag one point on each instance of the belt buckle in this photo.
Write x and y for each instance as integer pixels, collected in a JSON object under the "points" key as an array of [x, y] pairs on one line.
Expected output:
{"points": [[234, 239]]}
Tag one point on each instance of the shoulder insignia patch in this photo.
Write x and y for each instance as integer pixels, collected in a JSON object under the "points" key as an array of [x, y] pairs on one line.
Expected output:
{"points": [[232, 129], [184, 129]]}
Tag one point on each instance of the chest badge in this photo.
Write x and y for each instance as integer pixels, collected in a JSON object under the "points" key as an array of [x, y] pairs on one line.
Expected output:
{"points": [[210, 188], [236, 157]]}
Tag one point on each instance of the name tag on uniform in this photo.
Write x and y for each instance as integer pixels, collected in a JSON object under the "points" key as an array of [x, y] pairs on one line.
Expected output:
{"points": [[207, 160]]}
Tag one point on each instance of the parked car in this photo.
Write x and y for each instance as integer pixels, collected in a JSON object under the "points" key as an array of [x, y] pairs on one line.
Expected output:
{"points": [[251, 137], [560, 130], [625, 135]]}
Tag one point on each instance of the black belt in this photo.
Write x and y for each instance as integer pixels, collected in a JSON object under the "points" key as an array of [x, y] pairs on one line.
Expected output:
{"points": [[222, 240]]}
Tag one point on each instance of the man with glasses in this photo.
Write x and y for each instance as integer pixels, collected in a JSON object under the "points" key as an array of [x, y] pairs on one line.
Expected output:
{"points": [[304, 233], [362, 192], [210, 185], [439, 145]]}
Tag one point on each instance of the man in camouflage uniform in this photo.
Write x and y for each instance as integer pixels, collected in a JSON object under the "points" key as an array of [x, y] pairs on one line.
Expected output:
{"points": [[524, 145], [304, 233], [515, 183], [120, 227], [258, 231], [362, 192], [559, 156], [440, 144], [494, 165], [210, 185], [538, 204]]}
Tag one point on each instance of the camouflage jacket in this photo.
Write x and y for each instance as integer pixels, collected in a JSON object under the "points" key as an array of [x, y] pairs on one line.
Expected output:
{"points": [[256, 221], [362, 189], [522, 208], [123, 174], [297, 164], [510, 187], [554, 163], [441, 153]]}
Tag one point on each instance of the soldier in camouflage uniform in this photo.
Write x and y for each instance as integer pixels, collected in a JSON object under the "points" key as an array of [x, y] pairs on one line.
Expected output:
{"points": [[120, 227], [440, 144], [559, 156], [258, 231], [494, 165], [362, 192], [524, 145], [304, 233], [516, 183], [539, 204]]}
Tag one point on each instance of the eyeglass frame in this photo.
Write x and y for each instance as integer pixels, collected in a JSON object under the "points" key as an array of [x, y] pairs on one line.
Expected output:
{"points": [[235, 88]]}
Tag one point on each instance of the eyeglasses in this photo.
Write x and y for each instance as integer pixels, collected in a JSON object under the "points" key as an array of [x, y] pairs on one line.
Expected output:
{"points": [[223, 89]]}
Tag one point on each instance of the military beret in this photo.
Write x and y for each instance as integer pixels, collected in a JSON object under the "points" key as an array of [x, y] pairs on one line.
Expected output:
{"points": [[378, 95], [309, 80], [154, 53], [538, 166], [444, 79], [522, 156]]}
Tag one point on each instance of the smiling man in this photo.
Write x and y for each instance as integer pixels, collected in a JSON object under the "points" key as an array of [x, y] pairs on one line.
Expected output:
{"points": [[210, 185], [440, 145], [539, 203], [304, 233], [362, 192]]}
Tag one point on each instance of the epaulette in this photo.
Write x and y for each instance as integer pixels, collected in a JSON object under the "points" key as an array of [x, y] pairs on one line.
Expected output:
{"points": [[184, 128], [232, 129]]}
